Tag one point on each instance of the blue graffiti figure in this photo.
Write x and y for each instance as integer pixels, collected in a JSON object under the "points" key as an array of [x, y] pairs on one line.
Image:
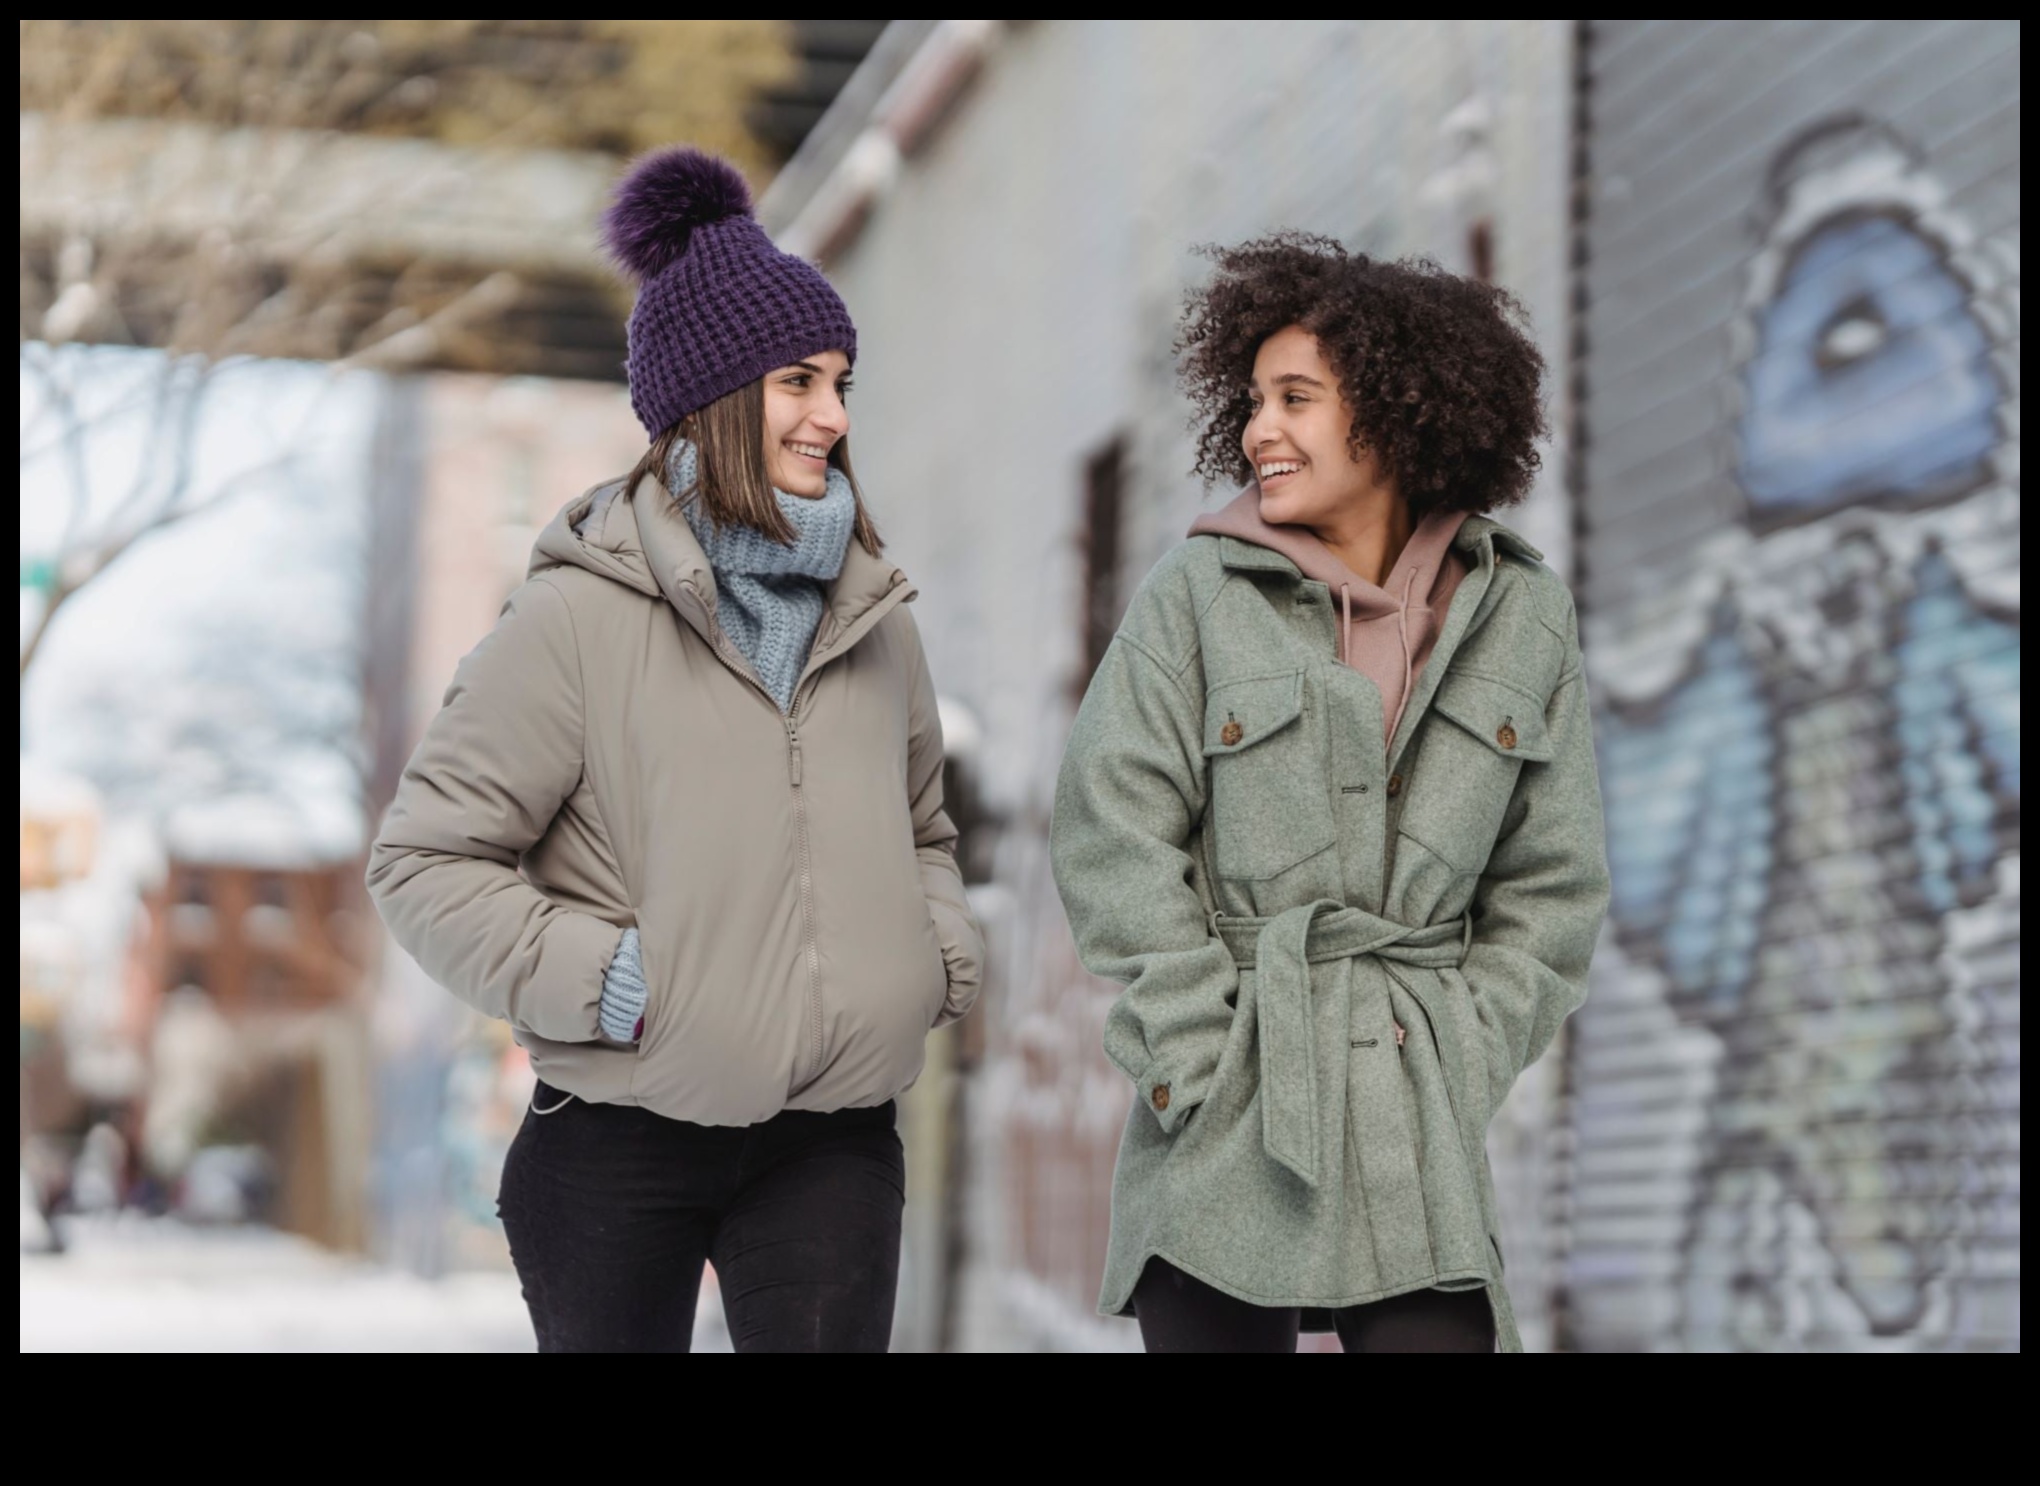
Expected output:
{"points": [[1871, 380], [1799, 814]]}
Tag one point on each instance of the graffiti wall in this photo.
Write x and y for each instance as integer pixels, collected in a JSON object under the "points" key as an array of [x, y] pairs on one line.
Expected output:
{"points": [[1795, 1092]]}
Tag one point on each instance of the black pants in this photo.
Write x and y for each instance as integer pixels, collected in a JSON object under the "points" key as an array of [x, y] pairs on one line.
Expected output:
{"points": [[1180, 1314], [611, 1211]]}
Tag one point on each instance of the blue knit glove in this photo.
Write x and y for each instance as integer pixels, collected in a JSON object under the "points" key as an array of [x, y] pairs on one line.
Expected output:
{"points": [[622, 1009]]}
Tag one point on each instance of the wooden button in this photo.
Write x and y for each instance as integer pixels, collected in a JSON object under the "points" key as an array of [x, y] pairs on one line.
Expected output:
{"points": [[1231, 733], [1506, 736], [1394, 785], [1160, 1097]]}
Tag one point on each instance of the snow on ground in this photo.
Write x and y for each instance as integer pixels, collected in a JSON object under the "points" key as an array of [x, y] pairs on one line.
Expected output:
{"points": [[149, 1285], [154, 1286]]}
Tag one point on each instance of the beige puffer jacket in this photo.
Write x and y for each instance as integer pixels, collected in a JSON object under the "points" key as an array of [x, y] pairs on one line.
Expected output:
{"points": [[606, 757]]}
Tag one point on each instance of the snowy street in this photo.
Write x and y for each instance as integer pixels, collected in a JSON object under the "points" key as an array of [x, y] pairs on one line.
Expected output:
{"points": [[155, 1286]]}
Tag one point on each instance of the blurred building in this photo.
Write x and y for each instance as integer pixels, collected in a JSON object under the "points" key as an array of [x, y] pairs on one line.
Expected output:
{"points": [[404, 193], [1774, 268], [245, 986], [468, 469], [60, 827], [256, 939], [60, 822], [827, 53]]}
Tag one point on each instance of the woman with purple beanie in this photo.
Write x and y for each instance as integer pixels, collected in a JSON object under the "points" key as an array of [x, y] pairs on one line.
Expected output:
{"points": [[680, 824]]}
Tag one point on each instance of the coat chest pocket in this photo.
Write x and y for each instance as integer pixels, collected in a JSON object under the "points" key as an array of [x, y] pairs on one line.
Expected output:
{"points": [[1465, 770], [1269, 803]]}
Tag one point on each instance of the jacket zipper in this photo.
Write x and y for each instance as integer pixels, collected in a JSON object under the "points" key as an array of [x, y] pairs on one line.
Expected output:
{"points": [[807, 891], [812, 948], [737, 667]]}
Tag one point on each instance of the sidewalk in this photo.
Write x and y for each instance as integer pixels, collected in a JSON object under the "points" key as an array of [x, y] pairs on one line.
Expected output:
{"points": [[138, 1285]]}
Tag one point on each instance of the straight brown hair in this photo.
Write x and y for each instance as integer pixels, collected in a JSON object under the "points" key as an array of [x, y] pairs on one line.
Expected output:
{"points": [[730, 479]]}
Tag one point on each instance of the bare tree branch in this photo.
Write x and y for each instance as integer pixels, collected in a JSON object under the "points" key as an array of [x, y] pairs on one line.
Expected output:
{"points": [[78, 568], [219, 189], [418, 343]]}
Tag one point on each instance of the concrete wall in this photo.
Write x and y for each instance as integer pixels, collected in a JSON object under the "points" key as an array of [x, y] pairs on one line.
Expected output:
{"points": [[1795, 1090]]}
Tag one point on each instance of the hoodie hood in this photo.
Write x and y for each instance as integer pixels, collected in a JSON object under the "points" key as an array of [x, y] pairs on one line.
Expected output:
{"points": [[1385, 631]]}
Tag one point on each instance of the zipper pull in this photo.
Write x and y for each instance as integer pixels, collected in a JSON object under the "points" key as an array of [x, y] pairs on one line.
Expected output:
{"points": [[793, 754]]}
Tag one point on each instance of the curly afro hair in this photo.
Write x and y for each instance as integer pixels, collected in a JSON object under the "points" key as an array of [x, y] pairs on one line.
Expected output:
{"points": [[1444, 383]]}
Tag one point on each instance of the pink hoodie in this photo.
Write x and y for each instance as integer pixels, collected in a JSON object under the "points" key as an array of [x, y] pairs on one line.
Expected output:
{"points": [[1385, 633]]}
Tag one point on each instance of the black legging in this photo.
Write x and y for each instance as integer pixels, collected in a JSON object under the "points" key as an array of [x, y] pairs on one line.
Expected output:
{"points": [[611, 1211], [1180, 1314]]}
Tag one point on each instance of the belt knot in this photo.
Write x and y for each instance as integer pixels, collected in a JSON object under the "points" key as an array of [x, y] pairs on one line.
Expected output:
{"points": [[1280, 951]]}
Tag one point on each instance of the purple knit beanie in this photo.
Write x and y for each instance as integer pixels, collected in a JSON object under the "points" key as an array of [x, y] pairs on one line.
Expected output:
{"points": [[718, 306]]}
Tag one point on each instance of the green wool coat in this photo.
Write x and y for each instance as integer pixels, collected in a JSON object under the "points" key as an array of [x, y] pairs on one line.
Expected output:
{"points": [[1279, 887]]}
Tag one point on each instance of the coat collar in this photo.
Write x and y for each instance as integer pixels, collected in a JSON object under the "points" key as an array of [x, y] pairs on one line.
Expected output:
{"points": [[1483, 541], [1252, 558], [1485, 531]]}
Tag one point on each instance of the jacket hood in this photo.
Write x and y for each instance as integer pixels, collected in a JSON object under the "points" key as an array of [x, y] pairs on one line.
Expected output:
{"points": [[598, 532], [641, 540]]}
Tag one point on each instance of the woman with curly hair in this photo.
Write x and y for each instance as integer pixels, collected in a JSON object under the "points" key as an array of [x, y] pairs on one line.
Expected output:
{"points": [[1330, 813]]}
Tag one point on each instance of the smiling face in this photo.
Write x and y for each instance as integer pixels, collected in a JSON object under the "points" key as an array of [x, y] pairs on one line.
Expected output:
{"points": [[1297, 437], [805, 417]]}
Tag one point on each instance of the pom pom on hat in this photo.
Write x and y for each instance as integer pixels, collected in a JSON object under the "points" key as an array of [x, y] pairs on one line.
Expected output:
{"points": [[718, 306], [663, 199]]}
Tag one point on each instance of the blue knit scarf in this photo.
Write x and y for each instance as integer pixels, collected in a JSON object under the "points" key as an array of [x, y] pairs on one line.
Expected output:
{"points": [[770, 595]]}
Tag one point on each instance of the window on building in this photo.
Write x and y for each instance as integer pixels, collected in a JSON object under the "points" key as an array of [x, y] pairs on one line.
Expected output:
{"points": [[976, 829], [194, 885], [269, 984], [1103, 539], [271, 891]]}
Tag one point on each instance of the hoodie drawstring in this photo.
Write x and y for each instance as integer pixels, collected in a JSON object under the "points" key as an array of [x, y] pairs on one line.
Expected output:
{"points": [[1346, 630], [1402, 629], [1409, 592]]}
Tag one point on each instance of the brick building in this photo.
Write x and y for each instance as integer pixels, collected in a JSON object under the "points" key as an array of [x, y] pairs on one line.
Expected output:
{"points": [[258, 940], [246, 983]]}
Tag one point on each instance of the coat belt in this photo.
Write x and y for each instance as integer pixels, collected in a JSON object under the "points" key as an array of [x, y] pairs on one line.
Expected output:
{"points": [[1280, 951]]}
